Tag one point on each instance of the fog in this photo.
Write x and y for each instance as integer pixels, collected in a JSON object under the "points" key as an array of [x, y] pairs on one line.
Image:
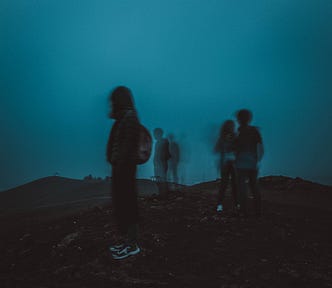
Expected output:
{"points": [[190, 65]]}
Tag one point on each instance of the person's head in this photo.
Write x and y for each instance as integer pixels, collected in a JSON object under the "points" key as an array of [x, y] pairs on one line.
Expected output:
{"points": [[227, 127], [120, 99], [244, 117], [158, 133], [170, 136]]}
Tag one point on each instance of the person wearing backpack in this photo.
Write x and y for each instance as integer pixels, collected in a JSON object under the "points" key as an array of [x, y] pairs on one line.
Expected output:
{"points": [[225, 146], [122, 150], [249, 152]]}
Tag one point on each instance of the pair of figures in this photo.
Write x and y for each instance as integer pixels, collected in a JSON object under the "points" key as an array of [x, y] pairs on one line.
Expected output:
{"points": [[240, 155]]}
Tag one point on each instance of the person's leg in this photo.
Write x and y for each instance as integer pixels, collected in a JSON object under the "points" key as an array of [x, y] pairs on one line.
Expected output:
{"points": [[132, 205], [225, 173], [242, 175], [132, 234], [171, 173], [116, 203], [131, 247], [127, 198], [234, 176], [127, 211], [155, 169], [163, 181], [253, 184]]}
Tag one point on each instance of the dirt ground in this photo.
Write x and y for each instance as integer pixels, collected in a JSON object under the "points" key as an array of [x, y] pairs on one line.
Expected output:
{"points": [[185, 243]]}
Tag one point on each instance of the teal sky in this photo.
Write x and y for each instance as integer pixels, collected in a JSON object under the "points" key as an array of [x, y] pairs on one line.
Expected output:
{"points": [[190, 64]]}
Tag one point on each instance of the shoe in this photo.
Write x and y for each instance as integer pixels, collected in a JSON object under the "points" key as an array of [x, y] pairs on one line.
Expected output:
{"points": [[128, 250], [219, 208], [116, 248]]}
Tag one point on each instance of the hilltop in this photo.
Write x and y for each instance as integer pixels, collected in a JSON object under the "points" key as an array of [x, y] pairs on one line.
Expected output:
{"points": [[62, 193], [185, 243]]}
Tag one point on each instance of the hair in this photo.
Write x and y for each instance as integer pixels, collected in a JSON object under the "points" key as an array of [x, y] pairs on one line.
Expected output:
{"points": [[227, 127], [158, 131], [120, 99], [122, 96], [170, 136], [244, 116]]}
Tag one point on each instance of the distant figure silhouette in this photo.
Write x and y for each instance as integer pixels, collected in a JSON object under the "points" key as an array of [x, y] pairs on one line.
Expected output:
{"points": [[225, 146], [249, 151], [184, 158], [160, 160], [122, 150], [173, 162]]}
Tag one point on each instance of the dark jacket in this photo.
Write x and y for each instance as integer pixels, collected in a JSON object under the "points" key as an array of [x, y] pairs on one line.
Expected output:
{"points": [[122, 144], [225, 146], [246, 147], [161, 151]]}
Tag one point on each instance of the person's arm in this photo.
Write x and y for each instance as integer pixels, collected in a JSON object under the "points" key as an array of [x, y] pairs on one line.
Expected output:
{"points": [[218, 146], [260, 151], [110, 142], [168, 154], [260, 147], [129, 136]]}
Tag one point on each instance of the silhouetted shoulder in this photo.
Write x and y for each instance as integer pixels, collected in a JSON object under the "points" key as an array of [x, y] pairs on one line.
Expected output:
{"points": [[257, 134]]}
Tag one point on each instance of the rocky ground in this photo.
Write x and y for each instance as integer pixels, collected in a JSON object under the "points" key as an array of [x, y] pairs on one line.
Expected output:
{"points": [[185, 243]]}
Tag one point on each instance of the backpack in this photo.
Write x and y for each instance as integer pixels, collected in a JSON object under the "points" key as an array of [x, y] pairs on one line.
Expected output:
{"points": [[144, 145]]}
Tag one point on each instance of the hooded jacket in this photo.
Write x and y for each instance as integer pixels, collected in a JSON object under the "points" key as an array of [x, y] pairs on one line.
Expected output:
{"points": [[123, 141]]}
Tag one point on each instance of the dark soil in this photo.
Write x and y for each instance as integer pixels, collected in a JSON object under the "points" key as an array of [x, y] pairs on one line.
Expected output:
{"points": [[185, 243]]}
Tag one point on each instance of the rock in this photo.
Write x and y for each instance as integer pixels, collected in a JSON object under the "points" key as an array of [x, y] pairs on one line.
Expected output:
{"points": [[25, 237], [155, 207], [70, 238], [204, 219], [264, 260]]}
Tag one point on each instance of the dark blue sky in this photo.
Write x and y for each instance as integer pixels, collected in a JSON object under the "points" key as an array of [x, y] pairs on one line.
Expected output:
{"points": [[190, 64]]}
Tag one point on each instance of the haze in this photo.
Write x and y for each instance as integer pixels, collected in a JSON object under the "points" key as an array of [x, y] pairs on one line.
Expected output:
{"points": [[190, 64]]}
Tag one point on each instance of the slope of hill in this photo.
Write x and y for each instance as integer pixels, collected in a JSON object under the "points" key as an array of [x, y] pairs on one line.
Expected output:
{"points": [[185, 243], [285, 190], [59, 191], [296, 191]]}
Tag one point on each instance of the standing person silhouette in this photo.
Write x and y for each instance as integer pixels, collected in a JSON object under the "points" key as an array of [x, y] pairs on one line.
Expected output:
{"points": [[225, 146], [122, 150], [249, 152], [173, 163], [161, 156]]}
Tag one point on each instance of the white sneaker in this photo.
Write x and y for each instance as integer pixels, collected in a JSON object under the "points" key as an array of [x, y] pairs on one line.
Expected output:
{"points": [[219, 208], [116, 248], [127, 251]]}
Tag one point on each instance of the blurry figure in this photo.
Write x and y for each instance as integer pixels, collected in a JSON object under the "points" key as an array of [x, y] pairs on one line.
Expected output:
{"points": [[173, 162], [249, 152], [122, 148], [225, 146], [184, 159], [160, 161]]}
